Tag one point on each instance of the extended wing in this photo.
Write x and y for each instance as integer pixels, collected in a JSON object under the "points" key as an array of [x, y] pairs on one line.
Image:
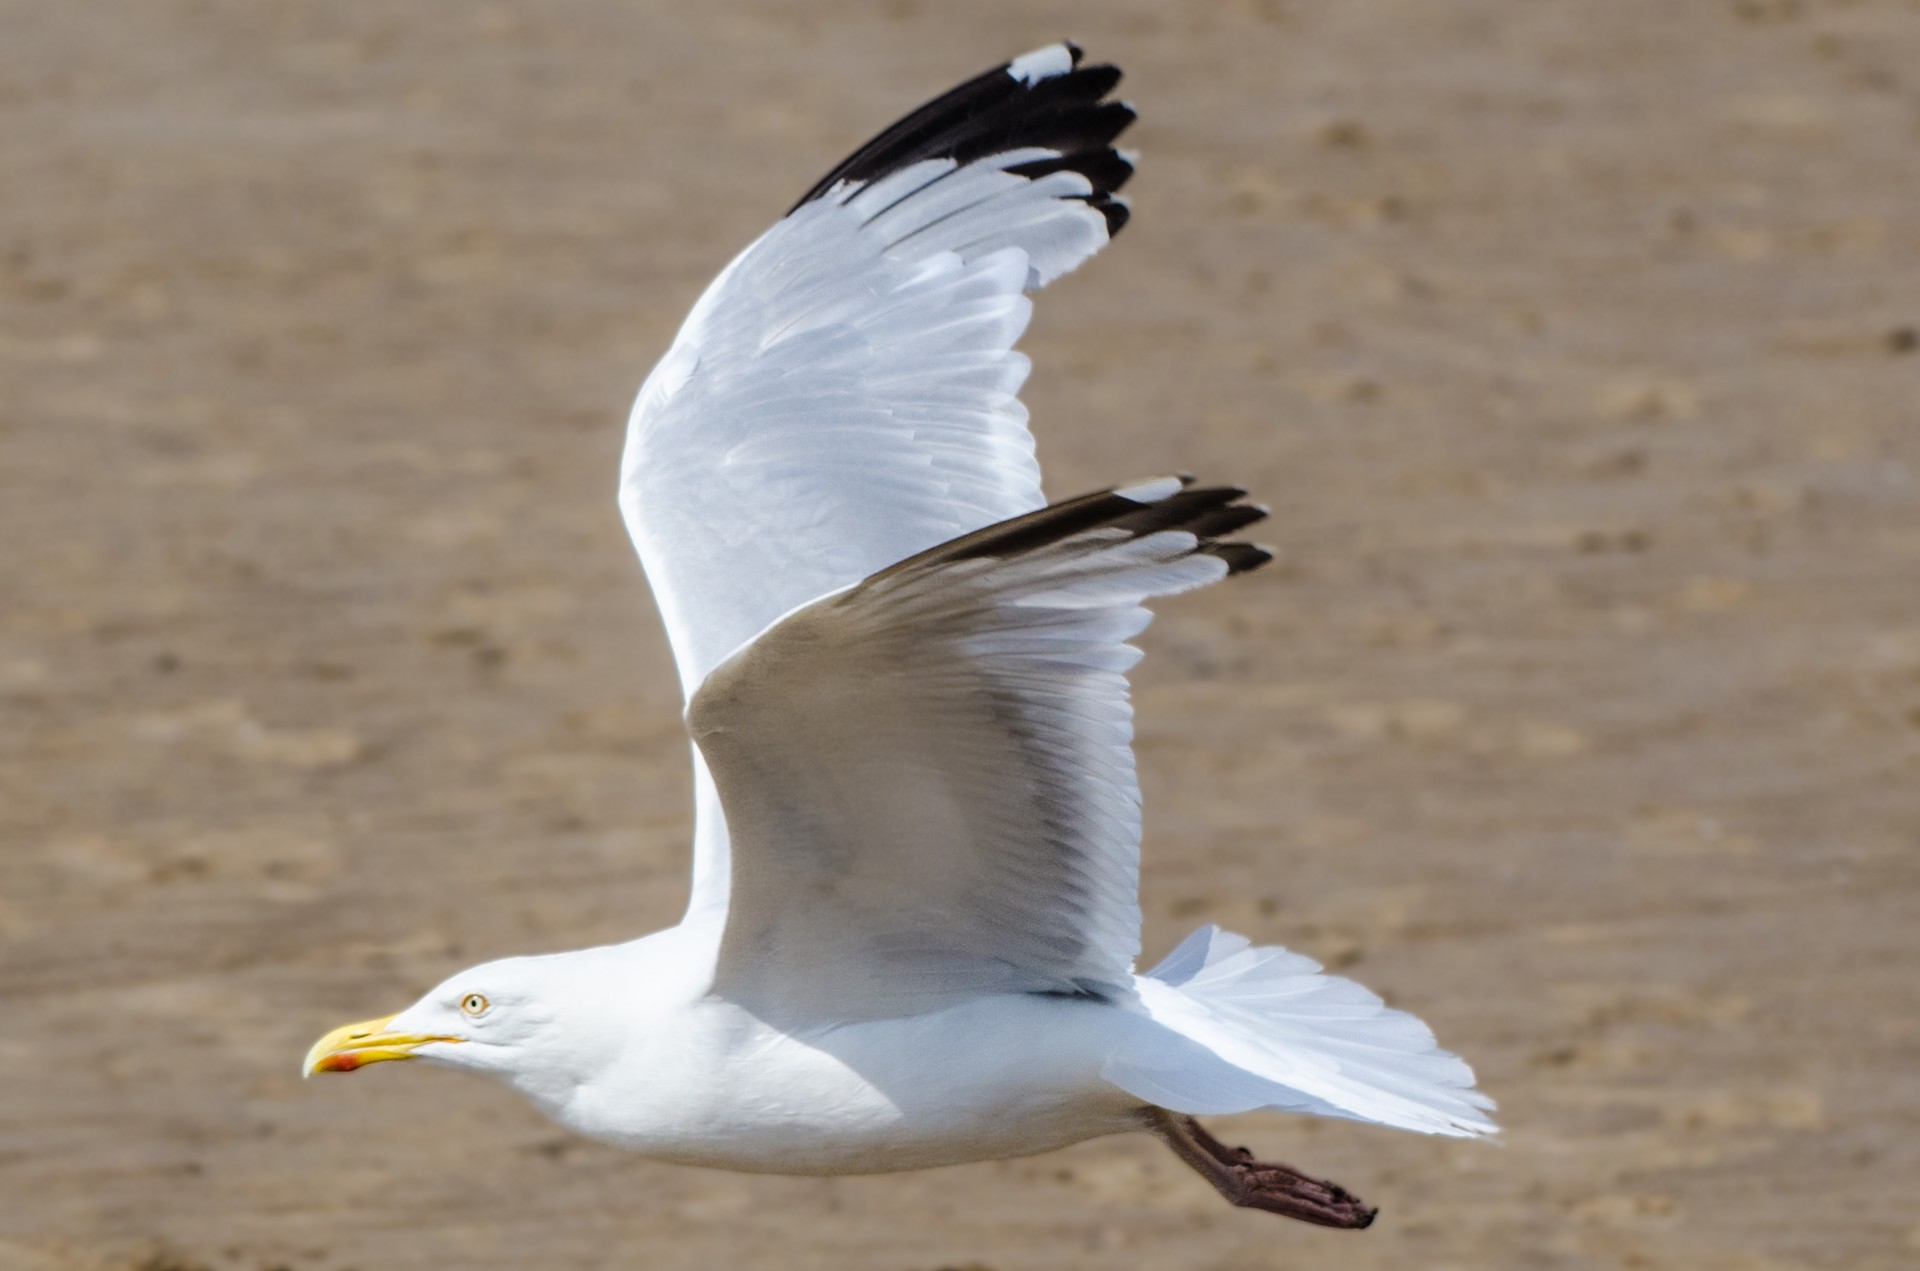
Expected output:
{"points": [[929, 776], [845, 393]]}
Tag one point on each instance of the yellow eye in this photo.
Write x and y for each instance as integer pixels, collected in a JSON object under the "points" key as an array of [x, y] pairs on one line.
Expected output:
{"points": [[475, 1004]]}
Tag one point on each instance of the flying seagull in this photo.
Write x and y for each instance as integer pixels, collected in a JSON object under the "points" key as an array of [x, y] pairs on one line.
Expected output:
{"points": [[915, 913]]}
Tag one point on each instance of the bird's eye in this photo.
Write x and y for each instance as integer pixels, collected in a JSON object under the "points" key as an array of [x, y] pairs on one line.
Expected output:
{"points": [[475, 1004]]}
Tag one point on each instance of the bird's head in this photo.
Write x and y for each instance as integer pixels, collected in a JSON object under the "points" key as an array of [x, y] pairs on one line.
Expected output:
{"points": [[531, 1021]]}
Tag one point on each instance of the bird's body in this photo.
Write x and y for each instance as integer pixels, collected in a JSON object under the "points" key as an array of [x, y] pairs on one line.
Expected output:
{"points": [[914, 922], [709, 1083]]}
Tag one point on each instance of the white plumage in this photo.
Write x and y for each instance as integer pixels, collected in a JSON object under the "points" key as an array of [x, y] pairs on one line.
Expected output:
{"points": [[930, 778], [914, 918]]}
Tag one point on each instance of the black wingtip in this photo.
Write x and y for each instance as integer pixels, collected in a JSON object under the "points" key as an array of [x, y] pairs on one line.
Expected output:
{"points": [[1107, 169], [993, 113], [1240, 557], [1225, 519], [1139, 509], [1207, 512]]}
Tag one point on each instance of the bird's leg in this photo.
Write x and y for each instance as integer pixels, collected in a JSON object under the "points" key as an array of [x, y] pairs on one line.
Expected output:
{"points": [[1252, 1184]]}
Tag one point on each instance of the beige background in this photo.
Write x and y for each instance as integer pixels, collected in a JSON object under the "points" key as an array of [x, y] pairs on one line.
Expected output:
{"points": [[1572, 344]]}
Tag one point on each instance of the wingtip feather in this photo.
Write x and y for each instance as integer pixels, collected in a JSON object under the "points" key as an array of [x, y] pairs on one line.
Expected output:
{"points": [[1042, 100], [1045, 62]]}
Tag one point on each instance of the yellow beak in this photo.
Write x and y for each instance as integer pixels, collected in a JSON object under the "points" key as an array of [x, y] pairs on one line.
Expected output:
{"points": [[357, 1045]]}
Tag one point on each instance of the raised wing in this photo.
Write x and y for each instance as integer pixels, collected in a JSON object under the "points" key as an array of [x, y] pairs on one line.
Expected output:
{"points": [[929, 776], [845, 393]]}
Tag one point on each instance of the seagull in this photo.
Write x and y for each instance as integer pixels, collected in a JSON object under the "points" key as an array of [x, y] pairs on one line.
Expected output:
{"points": [[914, 917]]}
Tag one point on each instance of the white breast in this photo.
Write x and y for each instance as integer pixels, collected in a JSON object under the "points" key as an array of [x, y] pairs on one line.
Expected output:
{"points": [[995, 1077]]}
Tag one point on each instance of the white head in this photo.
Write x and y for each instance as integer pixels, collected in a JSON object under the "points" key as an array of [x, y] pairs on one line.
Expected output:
{"points": [[546, 1025]]}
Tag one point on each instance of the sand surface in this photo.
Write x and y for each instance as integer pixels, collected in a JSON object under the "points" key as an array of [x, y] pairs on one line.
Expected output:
{"points": [[1573, 344]]}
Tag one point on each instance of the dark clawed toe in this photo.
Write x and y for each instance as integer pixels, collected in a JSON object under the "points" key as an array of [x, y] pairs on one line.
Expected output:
{"points": [[1279, 1190], [1250, 1183]]}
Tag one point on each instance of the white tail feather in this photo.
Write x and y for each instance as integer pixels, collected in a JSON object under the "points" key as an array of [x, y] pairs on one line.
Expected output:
{"points": [[1239, 1027]]}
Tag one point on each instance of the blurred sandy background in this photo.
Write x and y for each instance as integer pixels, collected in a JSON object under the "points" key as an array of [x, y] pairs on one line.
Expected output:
{"points": [[1573, 343]]}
